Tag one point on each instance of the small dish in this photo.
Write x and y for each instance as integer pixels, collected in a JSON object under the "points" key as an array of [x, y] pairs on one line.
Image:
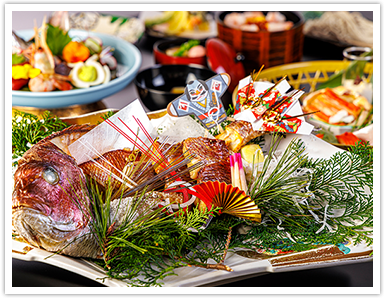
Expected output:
{"points": [[161, 56], [160, 84], [129, 60]]}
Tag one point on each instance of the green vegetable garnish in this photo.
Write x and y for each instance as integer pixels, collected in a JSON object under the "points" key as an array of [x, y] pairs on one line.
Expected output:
{"points": [[185, 47], [336, 79], [17, 59], [299, 214], [28, 129]]}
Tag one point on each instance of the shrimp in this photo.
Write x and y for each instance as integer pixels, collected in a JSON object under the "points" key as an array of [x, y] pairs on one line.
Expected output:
{"points": [[42, 62], [42, 58], [44, 83]]}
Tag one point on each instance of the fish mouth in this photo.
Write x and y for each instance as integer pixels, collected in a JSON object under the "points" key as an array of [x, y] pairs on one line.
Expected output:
{"points": [[28, 201], [41, 230]]}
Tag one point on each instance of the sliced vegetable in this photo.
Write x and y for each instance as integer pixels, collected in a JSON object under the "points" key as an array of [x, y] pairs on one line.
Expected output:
{"points": [[348, 138], [75, 52], [90, 73], [17, 84], [110, 61], [108, 74], [326, 135], [98, 40], [93, 45]]}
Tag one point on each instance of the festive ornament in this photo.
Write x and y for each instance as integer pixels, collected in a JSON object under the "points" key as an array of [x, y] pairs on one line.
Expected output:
{"points": [[203, 100], [230, 199]]}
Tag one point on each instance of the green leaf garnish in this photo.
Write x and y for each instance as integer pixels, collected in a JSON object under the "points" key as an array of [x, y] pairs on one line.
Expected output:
{"points": [[28, 129], [17, 59], [57, 39], [336, 79]]}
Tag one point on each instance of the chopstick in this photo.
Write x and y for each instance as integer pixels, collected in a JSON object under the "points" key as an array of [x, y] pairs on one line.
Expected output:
{"points": [[238, 177]]}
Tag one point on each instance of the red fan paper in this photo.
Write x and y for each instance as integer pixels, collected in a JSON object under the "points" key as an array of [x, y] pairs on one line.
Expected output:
{"points": [[232, 200]]}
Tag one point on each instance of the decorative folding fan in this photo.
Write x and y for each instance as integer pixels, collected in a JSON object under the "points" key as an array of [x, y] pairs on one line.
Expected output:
{"points": [[232, 200]]}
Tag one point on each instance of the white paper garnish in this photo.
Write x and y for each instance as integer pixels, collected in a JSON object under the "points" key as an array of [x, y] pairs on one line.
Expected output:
{"points": [[104, 138]]}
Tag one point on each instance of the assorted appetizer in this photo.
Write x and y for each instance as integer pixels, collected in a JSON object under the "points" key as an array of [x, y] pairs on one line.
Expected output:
{"points": [[338, 110], [338, 106], [257, 21], [191, 48], [52, 60]]}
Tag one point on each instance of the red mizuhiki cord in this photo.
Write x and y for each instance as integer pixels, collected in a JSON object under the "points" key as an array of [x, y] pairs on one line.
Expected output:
{"points": [[149, 152]]}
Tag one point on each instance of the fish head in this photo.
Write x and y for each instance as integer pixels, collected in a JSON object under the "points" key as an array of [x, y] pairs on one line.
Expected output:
{"points": [[19, 44], [50, 203]]}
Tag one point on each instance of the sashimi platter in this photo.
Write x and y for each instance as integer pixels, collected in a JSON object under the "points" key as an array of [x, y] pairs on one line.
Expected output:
{"points": [[194, 195]]}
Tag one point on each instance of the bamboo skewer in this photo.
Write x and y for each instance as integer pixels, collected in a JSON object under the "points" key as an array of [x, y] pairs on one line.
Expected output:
{"points": [[277, 105], [306, 114], [253, 78]]}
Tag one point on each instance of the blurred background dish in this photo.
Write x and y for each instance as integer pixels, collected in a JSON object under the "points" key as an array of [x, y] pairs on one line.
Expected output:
{"points": [[198, 25], [170, 52], [338, 109], [159, 85], [343, 28], [264, 47], [129, 60], [327, 34], [222, 58], [218, 56], [129, 29]]}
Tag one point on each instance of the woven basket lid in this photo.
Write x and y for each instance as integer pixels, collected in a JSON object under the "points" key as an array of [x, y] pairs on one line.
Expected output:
{"points": [[222, 58]]}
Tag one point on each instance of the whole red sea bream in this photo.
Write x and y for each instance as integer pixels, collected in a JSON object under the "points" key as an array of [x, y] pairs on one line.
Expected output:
{"points": [[44, 212]]}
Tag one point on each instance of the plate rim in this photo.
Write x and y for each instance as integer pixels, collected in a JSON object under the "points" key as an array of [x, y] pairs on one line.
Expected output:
{"points": [[250, 267]]}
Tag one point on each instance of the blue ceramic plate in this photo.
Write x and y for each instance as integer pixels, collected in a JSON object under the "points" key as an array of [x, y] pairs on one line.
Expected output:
{"points": [[127, 55]]}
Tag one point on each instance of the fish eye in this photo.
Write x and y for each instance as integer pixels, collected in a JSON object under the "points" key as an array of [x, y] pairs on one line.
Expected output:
{"points": [[50, 175]]}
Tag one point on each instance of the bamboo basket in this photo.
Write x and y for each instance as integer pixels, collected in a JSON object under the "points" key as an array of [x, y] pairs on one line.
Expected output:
{"points": [[263, 47], [309, 74], [306, 75]]}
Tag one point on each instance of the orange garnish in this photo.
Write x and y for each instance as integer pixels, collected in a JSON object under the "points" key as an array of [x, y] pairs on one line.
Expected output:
{"points": [[74, 52]]}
